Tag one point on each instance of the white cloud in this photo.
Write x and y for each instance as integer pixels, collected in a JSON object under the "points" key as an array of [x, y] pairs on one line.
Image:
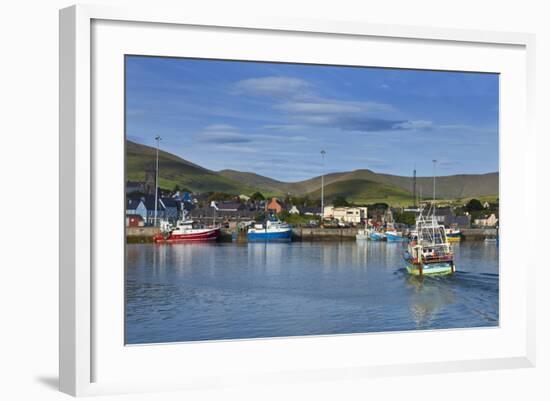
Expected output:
{"points": [[272, 86], [328, 106], [414, 125], [220, 136], [219, 127]]}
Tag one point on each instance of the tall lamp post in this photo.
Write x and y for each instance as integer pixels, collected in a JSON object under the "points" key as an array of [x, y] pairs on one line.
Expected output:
{"points": [[433, 205], [434, 162], [323, 153], [157, 138]]}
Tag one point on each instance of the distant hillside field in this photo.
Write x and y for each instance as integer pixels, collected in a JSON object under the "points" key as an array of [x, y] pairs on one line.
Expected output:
{"points": [[174, 170], [364, 191], [359, 186]]}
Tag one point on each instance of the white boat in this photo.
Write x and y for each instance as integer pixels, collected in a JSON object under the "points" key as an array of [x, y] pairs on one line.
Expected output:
{"points": [[363, 235]]}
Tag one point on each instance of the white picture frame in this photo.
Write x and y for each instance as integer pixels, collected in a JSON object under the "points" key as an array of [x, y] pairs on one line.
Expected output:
{"points": [[84, 348]]}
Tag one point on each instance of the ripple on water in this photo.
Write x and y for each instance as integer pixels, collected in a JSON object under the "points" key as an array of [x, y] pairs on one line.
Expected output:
{"points": [[223, 291]]}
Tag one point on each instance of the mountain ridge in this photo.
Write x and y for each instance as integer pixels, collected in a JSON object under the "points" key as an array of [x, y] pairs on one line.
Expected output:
{"points": [[360, 184]]}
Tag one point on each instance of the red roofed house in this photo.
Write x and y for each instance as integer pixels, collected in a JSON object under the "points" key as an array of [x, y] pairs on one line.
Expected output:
{"points": [[274, 206]]}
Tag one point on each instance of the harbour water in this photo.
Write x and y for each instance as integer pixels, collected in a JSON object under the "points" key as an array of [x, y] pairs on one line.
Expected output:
{"points": [[191, 292]]}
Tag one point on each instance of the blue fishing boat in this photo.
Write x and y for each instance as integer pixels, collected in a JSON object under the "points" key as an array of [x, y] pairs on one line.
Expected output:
{"points": [[394, 236], [273, 230], [377, 236]]}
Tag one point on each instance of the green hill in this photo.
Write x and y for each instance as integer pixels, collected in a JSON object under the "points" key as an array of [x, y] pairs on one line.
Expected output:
{"points": [[448, 187], [174, 170], [358, 185], [364, 191]]}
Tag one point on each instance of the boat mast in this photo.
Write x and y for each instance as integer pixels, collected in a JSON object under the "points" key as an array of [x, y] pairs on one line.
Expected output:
{"points": [[157, 138], [323, 185]]}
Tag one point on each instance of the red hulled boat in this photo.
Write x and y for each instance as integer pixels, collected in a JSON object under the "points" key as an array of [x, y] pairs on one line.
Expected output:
{"points": [[187, 231]]}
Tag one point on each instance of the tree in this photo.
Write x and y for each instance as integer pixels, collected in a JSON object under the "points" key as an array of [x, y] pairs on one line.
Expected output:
{"points": [[340, 201], [257, 196], [474, 205], [220, 196], [380, 205], [407, 218]]}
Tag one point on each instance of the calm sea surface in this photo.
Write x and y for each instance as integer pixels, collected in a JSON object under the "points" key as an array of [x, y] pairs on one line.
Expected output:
{"points": [[187, 292]]}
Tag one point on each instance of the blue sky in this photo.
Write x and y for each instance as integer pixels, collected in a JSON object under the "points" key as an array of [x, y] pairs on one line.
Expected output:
{"points": [[274, 119]]}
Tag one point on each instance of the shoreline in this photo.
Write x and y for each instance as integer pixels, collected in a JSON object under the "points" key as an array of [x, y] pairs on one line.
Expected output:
{"points": [[144, 235]]}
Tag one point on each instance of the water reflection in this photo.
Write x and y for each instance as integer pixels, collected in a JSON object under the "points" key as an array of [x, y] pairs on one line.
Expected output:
{"points": [[218, 291]]}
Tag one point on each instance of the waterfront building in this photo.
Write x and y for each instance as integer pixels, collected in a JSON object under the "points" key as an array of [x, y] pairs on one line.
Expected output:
{"points": [[134, 220], [274, 206], [446, 216], [229, 206], [311, 211], [352, 215], [489, 221]]}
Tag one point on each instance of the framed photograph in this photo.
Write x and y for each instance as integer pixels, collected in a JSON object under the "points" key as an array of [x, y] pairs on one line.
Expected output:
{"points": [[279, 200]]}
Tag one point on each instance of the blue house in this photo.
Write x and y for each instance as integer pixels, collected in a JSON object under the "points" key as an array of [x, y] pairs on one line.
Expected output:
{"points": [[171, 209], [136, 206], [149, 204]]}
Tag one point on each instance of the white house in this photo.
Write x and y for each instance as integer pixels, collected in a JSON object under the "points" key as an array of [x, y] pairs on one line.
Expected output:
{"points": [[490, 221], [294, 210], [353, 215], [244, 198]]}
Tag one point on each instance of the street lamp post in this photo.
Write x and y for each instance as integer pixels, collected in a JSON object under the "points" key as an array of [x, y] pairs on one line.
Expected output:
{"points": [[157, 138], [434, 162], [323, 153]]}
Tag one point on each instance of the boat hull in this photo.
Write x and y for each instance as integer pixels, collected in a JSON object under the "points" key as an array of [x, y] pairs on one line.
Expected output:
{"points": [[201, 236], [425, 269], [454, 238], [374, 236], [267, 236], [394, 238]]}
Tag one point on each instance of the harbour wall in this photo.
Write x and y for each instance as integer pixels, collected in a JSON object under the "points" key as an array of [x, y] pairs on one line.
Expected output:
{"points": [[138, 235], [478, 234], [145, 234], [324, 234]]}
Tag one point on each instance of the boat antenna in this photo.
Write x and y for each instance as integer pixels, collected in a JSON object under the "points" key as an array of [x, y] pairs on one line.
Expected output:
{"points": [[157, 138]]}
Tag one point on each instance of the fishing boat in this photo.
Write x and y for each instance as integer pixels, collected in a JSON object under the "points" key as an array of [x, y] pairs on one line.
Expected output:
{"points": [[394, 236], [377, 236], [429, 252], [273, 230], [185, 231], [453, 235], [362, 235]]}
